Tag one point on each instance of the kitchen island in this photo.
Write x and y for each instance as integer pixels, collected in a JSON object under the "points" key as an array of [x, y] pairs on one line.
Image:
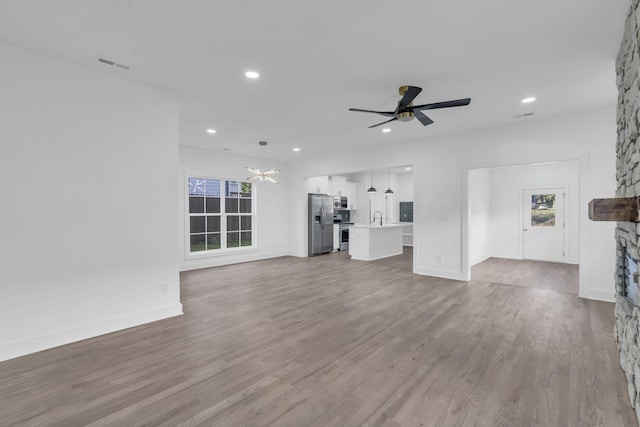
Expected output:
{"points": [[371, 242]]}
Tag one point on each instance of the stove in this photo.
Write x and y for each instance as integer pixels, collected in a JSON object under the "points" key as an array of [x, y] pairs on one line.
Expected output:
{"points": [[344, 235]]}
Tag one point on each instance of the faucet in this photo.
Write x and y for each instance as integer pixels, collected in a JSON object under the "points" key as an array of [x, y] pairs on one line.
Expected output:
{"points": [[374, 217]]}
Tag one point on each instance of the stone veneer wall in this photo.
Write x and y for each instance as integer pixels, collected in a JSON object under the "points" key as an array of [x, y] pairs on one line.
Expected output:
{"points": [[628, 176]]}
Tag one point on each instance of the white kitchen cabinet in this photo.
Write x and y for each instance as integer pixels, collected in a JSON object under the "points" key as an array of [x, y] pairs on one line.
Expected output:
{"points": [[336, 237], [318, 184], [338, 185], [352, 195], [371, 242]]}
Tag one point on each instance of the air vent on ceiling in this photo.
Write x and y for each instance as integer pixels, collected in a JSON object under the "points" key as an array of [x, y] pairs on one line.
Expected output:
{"points": [[520, 116], [113, 63]]}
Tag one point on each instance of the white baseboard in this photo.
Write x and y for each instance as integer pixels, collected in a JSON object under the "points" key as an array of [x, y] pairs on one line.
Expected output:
{"points": [[380, 257], [231, 259], [297, 254], [506, 256], [597, 294], [445, 274], [31, 345], [479, 260]]}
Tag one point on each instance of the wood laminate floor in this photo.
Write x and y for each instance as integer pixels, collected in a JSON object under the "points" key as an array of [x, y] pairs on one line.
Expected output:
{"points": [[326, 341], [527, 273]]}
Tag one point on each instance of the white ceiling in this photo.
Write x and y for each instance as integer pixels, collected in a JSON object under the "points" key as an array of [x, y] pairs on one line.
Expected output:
{"points": [[317, 59]]}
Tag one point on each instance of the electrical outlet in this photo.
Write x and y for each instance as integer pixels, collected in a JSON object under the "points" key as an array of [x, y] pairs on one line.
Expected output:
{"points": [[439, 259], [165, 288]]}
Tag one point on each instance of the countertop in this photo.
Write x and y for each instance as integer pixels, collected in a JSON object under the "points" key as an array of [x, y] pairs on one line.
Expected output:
{"points": [[401, 224]]}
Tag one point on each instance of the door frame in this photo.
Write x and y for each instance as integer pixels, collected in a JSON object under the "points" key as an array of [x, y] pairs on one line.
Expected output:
{"points": [[565, 216]]}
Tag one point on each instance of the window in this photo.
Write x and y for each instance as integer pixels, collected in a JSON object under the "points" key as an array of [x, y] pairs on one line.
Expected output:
{"points": [[543, 210], [220, 215]]}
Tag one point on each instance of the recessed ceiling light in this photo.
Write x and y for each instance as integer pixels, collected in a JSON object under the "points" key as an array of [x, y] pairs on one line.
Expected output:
{"points": [[386, 130], [296, 149], [408, 168], [252, 74], [528, 100], [211, 131]]}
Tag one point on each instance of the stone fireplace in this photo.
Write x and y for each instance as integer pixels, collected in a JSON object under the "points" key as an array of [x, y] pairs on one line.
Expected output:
{"points": [[627, 311]]}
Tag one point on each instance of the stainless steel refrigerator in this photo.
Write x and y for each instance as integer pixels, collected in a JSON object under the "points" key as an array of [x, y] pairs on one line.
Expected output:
{"points": [[320, 224]]}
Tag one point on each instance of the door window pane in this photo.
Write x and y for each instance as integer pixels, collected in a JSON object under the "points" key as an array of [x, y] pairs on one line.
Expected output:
{"points": [[543, 210]]}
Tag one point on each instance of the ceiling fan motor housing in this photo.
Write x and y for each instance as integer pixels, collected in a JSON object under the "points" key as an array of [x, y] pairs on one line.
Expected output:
{"points": [[405, 116]]}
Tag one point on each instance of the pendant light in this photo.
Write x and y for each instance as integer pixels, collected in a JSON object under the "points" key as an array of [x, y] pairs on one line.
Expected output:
{"points": [[372, 189], [389, 190], [260, 175]]}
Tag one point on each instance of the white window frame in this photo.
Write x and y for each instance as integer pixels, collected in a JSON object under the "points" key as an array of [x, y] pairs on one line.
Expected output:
{"points": [[223, 220]]}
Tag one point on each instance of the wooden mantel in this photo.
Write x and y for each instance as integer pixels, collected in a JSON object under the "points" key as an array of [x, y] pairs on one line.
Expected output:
{"points": [[618, 209]]}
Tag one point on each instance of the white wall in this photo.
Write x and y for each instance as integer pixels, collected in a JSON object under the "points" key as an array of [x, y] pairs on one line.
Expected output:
{"points": [[87, 178], [271, 205], [404, 189], [480, 234], [507, 185], [441, 165]]}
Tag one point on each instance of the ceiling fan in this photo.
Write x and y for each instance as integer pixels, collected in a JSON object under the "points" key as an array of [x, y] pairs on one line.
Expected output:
{"points": [[406, 111]]}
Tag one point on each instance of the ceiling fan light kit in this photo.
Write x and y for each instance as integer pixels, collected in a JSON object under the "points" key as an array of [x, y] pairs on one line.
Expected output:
{"points": [[406, 111]]}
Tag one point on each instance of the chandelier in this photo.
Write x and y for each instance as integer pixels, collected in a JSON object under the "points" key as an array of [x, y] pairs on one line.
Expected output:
{"points": [[262, 176]]}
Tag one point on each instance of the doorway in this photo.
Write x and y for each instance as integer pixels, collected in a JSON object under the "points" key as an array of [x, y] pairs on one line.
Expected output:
{"points": [[543, 232]]}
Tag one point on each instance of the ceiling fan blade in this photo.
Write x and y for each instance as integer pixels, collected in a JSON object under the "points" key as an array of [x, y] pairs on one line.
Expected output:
{"points": [[445, 104], [268, 178], [383, 123], [253, 178], [423, 119], [254, 170], [384, 113], [408, 97], [271, 171]]}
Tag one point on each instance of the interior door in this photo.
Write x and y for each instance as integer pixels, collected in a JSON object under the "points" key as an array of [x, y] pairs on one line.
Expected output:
{"points": [[543, 219]]}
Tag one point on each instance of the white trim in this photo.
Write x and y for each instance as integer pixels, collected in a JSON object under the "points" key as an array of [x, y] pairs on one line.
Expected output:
{"points": [[507, 256], [223, 251], [444, 274], [31, 345], [208, 262], [565, 218], [598, 295], [479, 260], [374, 259]]}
